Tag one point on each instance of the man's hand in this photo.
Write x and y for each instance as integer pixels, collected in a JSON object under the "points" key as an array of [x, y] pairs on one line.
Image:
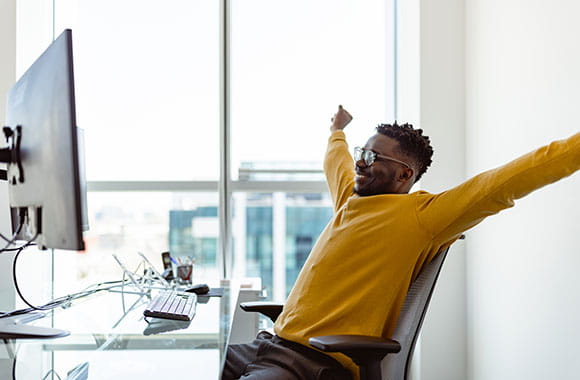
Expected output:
{"points": [[340, 119]]}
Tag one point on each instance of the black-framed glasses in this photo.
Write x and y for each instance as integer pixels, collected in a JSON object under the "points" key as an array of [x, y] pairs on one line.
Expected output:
{"points": [[369, 157]]}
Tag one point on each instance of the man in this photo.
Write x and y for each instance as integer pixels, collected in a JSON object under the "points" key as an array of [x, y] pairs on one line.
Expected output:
{"points": [[356, 277]]}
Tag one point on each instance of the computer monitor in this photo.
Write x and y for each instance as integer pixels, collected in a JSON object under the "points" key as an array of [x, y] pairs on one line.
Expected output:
{"points": [[45, 172], [45, 165]]}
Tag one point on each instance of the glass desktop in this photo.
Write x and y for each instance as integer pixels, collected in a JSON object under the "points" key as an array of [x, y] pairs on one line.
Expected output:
{"points": [[109, 338]]}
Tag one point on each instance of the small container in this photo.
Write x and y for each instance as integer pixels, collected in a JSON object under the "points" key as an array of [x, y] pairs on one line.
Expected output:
{"points": [[184, 272]]}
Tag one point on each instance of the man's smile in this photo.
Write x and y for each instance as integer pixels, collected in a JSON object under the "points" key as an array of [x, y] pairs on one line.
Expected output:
{"points": [[361, 178]]}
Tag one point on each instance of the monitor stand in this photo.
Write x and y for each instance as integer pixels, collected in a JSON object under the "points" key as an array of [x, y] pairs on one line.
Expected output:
{"points": [[15, 328], [14, 331]]}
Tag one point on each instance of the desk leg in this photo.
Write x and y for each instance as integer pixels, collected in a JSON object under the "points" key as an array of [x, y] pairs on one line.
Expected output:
{"points": [[7, 358]]}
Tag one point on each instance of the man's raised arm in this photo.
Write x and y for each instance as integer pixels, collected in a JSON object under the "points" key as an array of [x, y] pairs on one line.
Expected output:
{"points": [[340, 119], [338, 165]]}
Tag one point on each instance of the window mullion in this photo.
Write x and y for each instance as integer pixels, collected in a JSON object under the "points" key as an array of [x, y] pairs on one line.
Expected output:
{"points": [[225, 193]]}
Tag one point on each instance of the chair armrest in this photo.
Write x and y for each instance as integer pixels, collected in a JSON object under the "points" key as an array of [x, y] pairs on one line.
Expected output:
{"points": [[366, 351], [270, 309]]}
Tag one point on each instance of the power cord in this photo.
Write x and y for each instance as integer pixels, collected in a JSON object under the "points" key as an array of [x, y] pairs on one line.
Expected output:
{"points": [[22, 218], [17, 287], [13, 240], [63, 301], [5, 238], [10, 241]]}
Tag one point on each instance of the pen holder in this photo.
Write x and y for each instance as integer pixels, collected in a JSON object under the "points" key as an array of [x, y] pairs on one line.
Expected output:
{"points": [[184, 272]]}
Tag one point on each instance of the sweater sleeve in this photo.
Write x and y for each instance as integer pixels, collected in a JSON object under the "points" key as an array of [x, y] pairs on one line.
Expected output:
{"points": [[448, 214], [339, 169]]}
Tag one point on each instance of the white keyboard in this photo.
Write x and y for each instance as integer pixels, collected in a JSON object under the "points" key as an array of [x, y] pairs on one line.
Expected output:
{"points": [[171, 304]]}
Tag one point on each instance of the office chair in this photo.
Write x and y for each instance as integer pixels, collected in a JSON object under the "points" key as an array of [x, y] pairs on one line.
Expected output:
{"points": [[368, 352]]}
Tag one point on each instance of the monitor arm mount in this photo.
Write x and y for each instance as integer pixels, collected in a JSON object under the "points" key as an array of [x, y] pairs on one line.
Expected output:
{"points": [[11, 154]]}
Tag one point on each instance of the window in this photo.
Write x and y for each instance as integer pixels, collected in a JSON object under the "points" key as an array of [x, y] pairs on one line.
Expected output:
{"points": [[292, 64], [147, 86], [172, 94]]}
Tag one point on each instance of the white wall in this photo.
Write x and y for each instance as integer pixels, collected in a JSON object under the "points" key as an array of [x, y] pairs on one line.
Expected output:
{"points": [[7, 78], [431, 95], [523, 90], [442, 105], [489, 80]]}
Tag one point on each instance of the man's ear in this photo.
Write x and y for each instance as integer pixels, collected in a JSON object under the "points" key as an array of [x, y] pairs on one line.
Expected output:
{"points": [[406, 174]]}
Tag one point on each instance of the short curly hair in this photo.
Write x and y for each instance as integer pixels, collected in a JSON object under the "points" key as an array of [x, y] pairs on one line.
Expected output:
{"points": [[412, 144]]}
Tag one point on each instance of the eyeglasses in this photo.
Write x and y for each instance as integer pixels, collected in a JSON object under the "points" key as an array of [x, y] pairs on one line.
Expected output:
{"points": [[369, 157]]}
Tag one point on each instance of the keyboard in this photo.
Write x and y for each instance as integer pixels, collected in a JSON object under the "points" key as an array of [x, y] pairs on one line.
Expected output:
{"points": [[171, 304]]}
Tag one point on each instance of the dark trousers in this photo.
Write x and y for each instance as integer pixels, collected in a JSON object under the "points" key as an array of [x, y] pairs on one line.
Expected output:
{"points": [[270, 357]]}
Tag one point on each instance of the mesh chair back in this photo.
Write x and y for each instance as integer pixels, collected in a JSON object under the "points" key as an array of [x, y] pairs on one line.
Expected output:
{"points": [[396, 366]]}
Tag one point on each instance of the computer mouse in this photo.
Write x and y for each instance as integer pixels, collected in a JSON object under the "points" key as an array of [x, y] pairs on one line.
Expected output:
{"points": [[198, 289]]}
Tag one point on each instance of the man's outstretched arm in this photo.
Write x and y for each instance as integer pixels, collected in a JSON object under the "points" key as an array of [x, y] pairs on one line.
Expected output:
{"points": [[450, 213]]}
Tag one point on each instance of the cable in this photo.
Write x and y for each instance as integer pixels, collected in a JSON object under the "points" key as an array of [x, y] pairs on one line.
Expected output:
{"points": [[22, 214], [11, 241], [17, 248], [57, 302], [61, 301], [14, 369], [4, 238]]}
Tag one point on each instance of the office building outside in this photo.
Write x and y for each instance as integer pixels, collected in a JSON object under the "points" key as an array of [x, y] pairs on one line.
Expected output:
{"points": [[258, 251]]}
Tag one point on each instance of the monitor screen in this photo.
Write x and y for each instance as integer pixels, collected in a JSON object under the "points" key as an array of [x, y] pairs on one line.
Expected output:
{"points": [[46, 185]]}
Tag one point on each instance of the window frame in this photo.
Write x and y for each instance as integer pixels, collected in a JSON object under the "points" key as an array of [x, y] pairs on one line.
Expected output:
{"points": [[225, 186]]}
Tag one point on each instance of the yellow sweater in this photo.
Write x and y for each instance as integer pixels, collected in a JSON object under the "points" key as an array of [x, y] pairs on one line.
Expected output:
{"points": [[356, 277]]}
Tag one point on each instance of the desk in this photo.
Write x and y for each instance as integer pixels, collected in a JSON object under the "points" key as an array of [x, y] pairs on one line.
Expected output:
{"points": [[110, 336]]}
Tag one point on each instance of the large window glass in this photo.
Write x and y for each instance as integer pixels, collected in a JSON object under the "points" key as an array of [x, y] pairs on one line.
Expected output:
{"points": [[274, 233], [129, 223], [150, 77], [147, 92], [292, 64], [147, 86]]}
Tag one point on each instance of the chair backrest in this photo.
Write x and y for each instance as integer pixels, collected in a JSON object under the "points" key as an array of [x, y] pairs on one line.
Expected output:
{"points": [[396, 367]]}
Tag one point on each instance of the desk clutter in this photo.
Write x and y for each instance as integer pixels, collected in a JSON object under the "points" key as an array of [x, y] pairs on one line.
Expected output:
{"points": [[174, 297]]}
